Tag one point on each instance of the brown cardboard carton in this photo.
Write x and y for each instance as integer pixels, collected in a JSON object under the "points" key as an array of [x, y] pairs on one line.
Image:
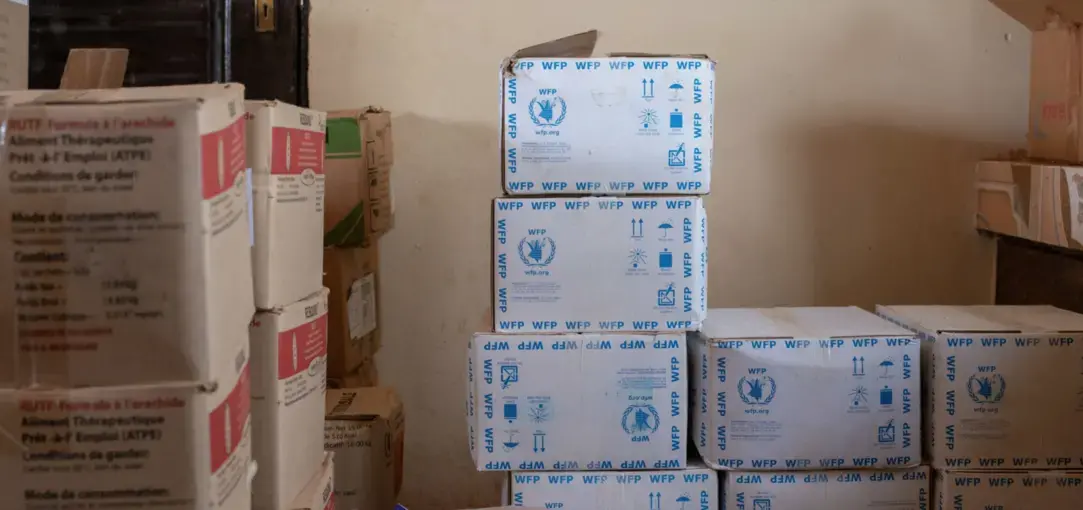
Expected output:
{"points": [[285, 153], [1056, 92], [167, 446], [1034, 201], [14, 44], [360, 153], [364, 376], [319, 492], [127, 243], [350, 274], [289, 353], [365, 428]]}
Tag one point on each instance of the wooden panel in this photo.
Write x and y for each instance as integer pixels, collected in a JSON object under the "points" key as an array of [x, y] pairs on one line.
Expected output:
{"points": [[272, 65], [1030, 274]]}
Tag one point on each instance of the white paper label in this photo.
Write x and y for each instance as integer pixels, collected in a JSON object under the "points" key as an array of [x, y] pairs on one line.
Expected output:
{"points": [[362, 306], [1074, 178]]}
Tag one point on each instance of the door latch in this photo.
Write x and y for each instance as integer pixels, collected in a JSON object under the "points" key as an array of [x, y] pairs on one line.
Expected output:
{"points": [[265, 15]]}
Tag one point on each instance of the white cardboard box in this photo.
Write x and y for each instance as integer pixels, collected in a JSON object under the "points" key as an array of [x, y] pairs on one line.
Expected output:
{"points": [[805, 388], [319, 492], [577, 402], [1004, 385], [289, 379], [695, 488], [15, 47], [786, 490], [365, 428], [1007, 490], [635, 124], [123, 226], [286, 154], [600, 264], [170, 446]]}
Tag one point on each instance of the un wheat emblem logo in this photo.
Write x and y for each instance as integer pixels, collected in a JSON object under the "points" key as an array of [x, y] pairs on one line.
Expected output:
{"points": [[537, 252], [986, 389], [757, 391], [548, 112]]}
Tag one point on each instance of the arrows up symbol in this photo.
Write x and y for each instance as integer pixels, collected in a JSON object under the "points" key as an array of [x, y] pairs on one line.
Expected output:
{"points": [[648, 94], [655, 500]]}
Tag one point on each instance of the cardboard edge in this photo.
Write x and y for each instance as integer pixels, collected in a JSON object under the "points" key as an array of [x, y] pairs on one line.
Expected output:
{"points": [[579, 45]]}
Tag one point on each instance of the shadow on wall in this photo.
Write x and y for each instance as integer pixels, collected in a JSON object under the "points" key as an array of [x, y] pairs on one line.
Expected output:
{"points": [[892, 214], [435, 292]]}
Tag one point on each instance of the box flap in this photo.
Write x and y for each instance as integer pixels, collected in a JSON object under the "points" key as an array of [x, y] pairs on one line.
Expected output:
{"points": [[805, 323], [363, 404], [580, 45], [94, 68], [989, 318], [138, 94], [1033, 13]]}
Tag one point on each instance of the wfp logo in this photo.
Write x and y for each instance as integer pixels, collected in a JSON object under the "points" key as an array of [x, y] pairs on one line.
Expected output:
{"points": [[986, 388], [757, 390], [537, 251], [548, 112], [640, 420]]}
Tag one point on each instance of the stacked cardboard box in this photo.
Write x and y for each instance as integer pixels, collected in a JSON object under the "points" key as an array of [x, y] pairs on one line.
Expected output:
{"points": [[289, 331], [1004, 403], [365, 428], [359, 209], [125, 242], [790, 402], [599, 262]]}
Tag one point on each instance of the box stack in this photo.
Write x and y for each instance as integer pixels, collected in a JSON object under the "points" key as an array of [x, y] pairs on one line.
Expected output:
{"points": [[1004, 403], [359, 209], [792, 402], [365, 429], [126, 249], [600, 256], [289, 331]]}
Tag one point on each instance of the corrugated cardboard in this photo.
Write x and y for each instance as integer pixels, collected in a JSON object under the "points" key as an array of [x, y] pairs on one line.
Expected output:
{"points": [[691, 489], [171, 446], [94, 68], [365, 428], [14, 50], [1043, 203], [285, 153], [319, 492], [805, 388], [570, 402], [903, 490], [1056, 92], [351, 275], [364, 376], [360, 154], [625, 124], [289, 369], [1006, 490], [1003, 385], [599, 264], [129, 248]]}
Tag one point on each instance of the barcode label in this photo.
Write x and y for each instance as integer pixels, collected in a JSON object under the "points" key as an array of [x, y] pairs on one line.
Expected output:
{"points": [[362, 306]]}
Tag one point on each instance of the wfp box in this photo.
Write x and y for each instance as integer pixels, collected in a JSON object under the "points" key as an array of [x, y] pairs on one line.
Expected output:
{"points": [[906, 489], [171, 446], [688, 489], [1003, 385], [600, 264], [805, 388], [1009, 490], [618, 125], [285, 152], [134, 262], [365, 429], [289, 369], [577, 402]]}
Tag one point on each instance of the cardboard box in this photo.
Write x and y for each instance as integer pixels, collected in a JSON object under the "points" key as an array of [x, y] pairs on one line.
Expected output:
{"points": [[571, 402], [319, 492], [599, 264], [616, 490], [289, 372], [1008, 490], [365, 428], [360, 153], [1043, 203], [364, 376], [353, 336], [625, 124], [129, 247], [285, 152], [805, 388], [173, 446], [1003, 385], [905, 490], [14, 52]]}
